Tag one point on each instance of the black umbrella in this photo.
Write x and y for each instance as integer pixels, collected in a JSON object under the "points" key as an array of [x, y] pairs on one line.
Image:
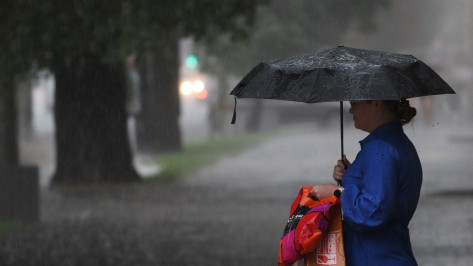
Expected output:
{"points": [[341, 74]]}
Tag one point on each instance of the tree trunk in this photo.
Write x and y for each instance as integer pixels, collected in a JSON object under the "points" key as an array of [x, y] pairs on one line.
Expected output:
{"points": [[8, 125], [158, 125], [91, 130]]}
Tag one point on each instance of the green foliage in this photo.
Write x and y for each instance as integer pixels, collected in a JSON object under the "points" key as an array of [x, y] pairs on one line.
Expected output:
{"points": [[286, 28], [48, 32]]}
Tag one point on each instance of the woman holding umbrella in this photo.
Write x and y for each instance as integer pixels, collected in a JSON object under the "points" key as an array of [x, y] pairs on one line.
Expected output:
{"points": [[380, 190]]}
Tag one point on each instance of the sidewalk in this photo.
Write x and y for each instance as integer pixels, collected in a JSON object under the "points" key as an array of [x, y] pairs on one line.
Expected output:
{"points": [[442, 228]]}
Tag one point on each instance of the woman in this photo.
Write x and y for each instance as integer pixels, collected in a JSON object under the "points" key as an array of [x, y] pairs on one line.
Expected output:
{"points": [[380, 190]]}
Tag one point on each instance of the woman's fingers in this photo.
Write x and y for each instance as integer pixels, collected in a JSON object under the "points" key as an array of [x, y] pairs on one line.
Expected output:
{"points": [[339, 169], [346, 162], [338, 172], [322, 191]]}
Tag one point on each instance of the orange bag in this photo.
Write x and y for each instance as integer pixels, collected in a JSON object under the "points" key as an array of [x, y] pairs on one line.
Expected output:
{"points": [[306, 227], [331, 250]]}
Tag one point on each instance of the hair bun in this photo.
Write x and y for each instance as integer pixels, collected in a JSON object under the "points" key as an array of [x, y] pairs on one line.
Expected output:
{"points": [[406, 112]]}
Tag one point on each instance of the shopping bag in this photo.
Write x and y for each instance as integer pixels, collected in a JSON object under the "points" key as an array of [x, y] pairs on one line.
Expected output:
{"points": [[308, 222], [331, 250]]}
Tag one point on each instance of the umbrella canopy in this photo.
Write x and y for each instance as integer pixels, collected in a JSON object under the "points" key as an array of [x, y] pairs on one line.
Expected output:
{"points": [[341, 74]]}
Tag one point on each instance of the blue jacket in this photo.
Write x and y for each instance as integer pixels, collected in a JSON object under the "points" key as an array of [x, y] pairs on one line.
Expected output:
{"points": [[382, 188]]}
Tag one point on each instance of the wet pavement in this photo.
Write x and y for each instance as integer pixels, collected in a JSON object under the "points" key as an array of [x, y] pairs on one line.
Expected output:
{"points": [[442, 228], [233, 212]]}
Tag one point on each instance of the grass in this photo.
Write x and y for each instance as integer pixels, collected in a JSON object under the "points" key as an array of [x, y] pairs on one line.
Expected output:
{"points": [[198, 154]]}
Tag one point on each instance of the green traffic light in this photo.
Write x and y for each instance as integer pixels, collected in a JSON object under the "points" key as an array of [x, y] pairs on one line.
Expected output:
{"points": [[191, 61]]}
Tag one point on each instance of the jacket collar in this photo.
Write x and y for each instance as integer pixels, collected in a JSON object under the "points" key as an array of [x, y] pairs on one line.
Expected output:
{"points": [[381, 130]]}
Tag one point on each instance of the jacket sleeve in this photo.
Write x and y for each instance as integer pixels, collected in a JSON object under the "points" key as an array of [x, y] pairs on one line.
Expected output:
{"points": [[370, 203]]}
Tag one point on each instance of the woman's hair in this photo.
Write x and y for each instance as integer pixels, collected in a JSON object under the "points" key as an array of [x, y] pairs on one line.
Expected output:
{"points": [[403, 111]]}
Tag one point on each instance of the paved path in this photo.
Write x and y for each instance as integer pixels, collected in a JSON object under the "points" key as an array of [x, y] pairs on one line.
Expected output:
{"points": [[441, 230]]}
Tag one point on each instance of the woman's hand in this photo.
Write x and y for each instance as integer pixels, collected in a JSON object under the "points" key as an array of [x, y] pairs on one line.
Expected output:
{"points": [[339, 169], [320, 192]]}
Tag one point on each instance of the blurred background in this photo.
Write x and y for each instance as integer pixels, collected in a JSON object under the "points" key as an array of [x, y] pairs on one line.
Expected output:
{"points": [[98, 93], [210, 62]]}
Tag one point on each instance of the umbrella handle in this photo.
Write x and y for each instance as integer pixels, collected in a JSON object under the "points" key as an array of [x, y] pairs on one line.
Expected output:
{"points": [[341, 129], [341, 136]]}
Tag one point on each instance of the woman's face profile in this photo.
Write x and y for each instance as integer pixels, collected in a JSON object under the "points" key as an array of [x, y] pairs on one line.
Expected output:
{"points": [[363, 112]]}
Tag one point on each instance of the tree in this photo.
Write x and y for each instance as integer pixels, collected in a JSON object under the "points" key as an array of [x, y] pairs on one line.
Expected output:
{"points": [[158, 128], [84, 43], [9, 67], [8, 126], [282, 29]]}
